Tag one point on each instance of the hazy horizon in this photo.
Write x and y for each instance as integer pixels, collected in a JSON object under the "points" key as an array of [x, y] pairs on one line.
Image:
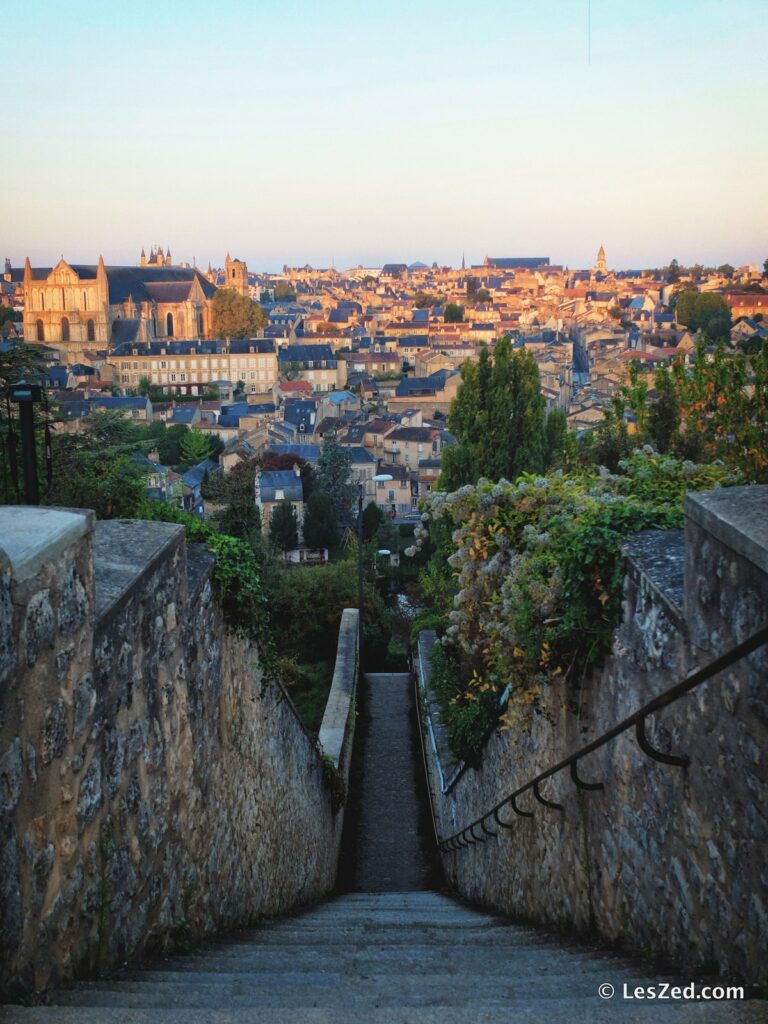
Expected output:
{"points": [[343, 134]]}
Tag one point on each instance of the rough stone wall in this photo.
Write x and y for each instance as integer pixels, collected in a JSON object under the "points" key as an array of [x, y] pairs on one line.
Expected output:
{"points": [[152, 790], [665, 860]]}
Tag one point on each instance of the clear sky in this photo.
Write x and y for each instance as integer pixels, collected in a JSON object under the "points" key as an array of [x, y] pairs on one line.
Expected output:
{"points": [[361, 131]]}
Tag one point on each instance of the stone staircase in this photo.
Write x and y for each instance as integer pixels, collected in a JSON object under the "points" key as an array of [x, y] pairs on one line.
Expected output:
{"points": [[377, 958]]}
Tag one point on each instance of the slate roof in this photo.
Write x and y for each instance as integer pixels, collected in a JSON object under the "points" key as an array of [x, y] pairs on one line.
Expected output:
{"points": [[300, 413], [182, 415], [260, 346], [307, 354], [284, 480], [125, 331], [420, 434], [517, 262], [123, 402], [421, 385], [194, 476]]}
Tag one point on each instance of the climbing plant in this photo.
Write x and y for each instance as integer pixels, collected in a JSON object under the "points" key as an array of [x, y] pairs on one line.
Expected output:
{"points": [[237, 578], [531, 586]]}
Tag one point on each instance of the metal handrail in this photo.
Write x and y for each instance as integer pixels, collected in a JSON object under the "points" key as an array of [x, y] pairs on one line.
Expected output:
{"points": [[467, 837]]}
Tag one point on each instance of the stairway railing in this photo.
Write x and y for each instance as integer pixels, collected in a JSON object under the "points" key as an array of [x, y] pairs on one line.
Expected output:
{"points": [[467, 836]]}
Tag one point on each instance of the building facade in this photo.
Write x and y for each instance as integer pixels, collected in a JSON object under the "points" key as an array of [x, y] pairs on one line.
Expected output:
{"points": [[191, 367], [78, 306]]}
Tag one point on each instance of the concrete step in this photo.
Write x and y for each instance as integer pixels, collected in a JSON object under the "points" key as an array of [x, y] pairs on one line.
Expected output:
{"points": [[371, 935], [391, 960], [563, 1011], [313, 988], [416, 958]]}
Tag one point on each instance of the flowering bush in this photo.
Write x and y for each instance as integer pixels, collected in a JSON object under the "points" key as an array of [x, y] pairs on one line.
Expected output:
{"points": [[531, 586]]}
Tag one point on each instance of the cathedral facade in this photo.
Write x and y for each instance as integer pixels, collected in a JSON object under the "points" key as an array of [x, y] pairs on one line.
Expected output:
{"points": [[74, 307]]}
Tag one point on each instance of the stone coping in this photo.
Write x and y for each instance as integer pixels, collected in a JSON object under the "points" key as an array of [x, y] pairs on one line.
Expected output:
{"points": [[334, 727], [30, 536], [659, 557], [125, 551], [737, 517]]}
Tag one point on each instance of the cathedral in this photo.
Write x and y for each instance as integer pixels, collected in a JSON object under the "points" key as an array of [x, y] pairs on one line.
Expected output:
{"points": [[77, 306]]}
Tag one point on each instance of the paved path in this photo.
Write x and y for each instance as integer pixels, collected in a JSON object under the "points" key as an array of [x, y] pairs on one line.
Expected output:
{"points": [[388, 829]]}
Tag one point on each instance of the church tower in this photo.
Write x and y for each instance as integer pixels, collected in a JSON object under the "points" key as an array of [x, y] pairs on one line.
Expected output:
{"points": [[236, 275], [600, 266]]}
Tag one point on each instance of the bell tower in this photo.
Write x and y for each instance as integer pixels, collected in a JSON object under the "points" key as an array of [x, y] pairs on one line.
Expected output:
{"points": [[236, 275]]}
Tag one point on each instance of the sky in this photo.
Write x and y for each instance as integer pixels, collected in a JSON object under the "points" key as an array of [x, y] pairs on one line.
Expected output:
{"points": [[356, 132]]}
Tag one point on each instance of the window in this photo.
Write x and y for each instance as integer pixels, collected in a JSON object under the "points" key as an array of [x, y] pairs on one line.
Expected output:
{"points": [[85, 300], [279, 494], [169, 325], [40, 331], [90, 331], [163, 364], [64, 329], [200, 323], [173, 376]]}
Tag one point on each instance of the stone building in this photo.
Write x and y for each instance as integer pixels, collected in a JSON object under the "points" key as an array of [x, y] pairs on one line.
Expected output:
{"points": [[190, 367], [236, 275], [600, 267], [78, 306]]}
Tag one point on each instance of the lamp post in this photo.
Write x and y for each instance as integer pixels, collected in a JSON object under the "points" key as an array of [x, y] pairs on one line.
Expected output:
{"points": [[26, 396]]}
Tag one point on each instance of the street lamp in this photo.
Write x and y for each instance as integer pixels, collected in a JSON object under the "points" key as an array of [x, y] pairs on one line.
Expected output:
{"points": [[26, 396]]}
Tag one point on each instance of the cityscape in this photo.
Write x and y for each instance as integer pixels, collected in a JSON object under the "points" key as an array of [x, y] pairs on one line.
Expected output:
{"points": [[384, 513]]}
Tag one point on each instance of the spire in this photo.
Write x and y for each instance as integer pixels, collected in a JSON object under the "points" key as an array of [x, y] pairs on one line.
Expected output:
{"points": [[463, 262]]}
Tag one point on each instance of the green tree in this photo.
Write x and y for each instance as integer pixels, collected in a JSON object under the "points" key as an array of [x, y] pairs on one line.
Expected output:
{"points": [[283, 526], [332, 477], [239, 515], [320, 527], [423, 300], [284, 292], [498, 417], [557, 439], [235, 316], [664, 417], [454, 314], [765, 269], [704, 311], [373, 517], [673, 272], [726, 270], [195, 446]]}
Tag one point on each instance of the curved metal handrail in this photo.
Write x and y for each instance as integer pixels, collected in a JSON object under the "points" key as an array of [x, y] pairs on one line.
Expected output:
{"points": [[636, 720]]}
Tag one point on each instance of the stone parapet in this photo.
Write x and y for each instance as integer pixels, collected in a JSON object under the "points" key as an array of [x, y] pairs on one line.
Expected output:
{"points": [[666, 861], [153, 787]]}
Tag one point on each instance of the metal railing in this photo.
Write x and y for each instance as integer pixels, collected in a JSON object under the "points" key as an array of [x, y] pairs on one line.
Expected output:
{"points": [[468, 836]]}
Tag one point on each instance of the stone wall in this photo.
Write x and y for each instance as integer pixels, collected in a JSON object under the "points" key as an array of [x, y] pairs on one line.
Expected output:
{"points": [[665, 860], [152, 788]]}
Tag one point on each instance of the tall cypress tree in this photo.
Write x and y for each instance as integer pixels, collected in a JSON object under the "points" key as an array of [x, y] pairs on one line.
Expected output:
{"points": [[498, 417]]}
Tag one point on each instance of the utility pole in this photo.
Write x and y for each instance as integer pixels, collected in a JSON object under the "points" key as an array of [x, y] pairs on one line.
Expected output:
{"points": [[26, 396]]}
